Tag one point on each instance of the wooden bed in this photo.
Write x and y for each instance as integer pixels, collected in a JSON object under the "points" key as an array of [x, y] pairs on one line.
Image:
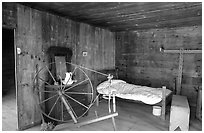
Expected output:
{"points": [[166, 99]]}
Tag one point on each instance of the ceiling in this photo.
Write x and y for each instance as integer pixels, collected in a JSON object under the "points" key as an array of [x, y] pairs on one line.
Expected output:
{"points": [[125, 16]]}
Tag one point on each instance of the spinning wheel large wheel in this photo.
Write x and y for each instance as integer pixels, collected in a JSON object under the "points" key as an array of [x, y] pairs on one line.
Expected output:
{"points": [[58, 99]]}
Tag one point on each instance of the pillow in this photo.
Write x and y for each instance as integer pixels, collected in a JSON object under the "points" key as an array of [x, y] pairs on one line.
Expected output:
{"points": [[105, 84]]}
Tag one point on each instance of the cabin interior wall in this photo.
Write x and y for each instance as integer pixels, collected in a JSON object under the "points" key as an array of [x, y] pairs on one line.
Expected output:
{"points": [[140, 60], [135, 53]]}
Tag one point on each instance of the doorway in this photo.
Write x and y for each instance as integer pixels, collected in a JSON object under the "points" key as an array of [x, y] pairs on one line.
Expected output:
{"points": [[9, 110]]}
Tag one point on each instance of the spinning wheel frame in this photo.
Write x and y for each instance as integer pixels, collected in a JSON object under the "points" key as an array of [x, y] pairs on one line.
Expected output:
{"points": [[63, 94]]}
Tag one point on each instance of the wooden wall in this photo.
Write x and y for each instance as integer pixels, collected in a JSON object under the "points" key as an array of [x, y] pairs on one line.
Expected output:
{"points": [[140, 61], [9, 15], [35, 32], [135, 53]]}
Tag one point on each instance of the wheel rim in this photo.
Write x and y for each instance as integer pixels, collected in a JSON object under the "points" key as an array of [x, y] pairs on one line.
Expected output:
{"points": [[49, 95]]}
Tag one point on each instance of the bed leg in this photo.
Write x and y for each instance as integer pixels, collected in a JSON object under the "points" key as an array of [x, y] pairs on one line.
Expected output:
{"points": [[97, 105], [96, 113], [163, 113], [97, 101]]}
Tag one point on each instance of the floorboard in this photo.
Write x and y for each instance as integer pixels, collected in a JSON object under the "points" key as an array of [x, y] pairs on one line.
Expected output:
{"points": [[132, 117], [9, 114]]}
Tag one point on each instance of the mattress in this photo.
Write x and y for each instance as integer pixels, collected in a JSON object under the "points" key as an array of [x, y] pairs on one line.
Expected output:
{"points": [[125, 90]]}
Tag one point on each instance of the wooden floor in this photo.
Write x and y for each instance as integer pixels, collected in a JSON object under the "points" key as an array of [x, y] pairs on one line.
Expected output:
{"points": [[9, 114], [132, 117]]}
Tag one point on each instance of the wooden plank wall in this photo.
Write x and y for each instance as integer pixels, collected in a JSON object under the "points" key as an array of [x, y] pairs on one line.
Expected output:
{"points": [[36, 31], [140, 61], [8, 15]]}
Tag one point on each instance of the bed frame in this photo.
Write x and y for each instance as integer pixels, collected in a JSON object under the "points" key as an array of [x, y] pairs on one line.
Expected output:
{"points": [[165, 99]]}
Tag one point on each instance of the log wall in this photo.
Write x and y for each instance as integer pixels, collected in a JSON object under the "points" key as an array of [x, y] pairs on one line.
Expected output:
{"points": [[140, 61]]}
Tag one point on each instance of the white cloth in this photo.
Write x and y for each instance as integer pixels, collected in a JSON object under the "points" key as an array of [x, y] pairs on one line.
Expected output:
{"points": [[68, 79], [125, 90]]}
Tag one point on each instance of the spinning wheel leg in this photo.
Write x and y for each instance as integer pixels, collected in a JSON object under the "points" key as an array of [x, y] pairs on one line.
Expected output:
{"points": [[114, 110], [114, 125], [67, 107]]}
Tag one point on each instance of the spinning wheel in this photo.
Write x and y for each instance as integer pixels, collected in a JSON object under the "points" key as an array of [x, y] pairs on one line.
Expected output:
{"points": [[63, 91], [63, 97]]}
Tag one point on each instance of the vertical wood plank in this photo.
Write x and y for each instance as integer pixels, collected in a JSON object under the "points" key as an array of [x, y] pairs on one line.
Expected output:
{"points": [[28, 113]]}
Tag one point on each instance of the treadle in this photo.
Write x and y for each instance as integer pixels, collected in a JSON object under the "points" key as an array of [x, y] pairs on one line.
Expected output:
{"points": [[97, 119]]}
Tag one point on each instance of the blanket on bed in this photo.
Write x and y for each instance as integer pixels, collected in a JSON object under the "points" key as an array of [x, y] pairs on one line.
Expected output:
{"points": [[125, 90]]}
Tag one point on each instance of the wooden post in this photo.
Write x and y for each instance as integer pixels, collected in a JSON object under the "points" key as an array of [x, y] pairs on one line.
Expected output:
{"points": [[199, 104], [179, 79], [163, 111]]}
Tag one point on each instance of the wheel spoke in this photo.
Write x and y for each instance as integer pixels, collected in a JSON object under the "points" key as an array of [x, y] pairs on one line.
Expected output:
{"points": [[60, 83], [43, 80], [74, 70], [76, 101], [46, 91], [48, 99], [75, 85], [53, 106], [51, 74], [80, 93]]}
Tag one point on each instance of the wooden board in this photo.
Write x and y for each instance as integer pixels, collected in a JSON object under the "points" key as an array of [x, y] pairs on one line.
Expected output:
{"points": [[26, 35]]}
